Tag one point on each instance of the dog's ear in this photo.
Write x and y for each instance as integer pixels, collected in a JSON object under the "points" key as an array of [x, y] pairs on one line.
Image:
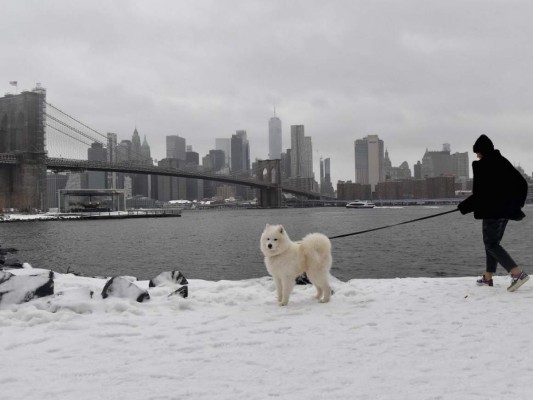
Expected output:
{"points": [[280, 229], [267, 225]]}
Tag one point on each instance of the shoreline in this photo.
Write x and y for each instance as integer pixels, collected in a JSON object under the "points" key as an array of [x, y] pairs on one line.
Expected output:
{"points": [[148, 213]]}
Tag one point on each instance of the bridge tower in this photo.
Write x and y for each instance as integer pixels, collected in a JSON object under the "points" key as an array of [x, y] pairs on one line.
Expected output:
{"points": [[22, 133], [270, 171]]}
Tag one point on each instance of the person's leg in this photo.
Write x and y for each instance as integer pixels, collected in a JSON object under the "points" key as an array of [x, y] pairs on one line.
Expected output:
{"points": [[493, 230], [490, 240]]}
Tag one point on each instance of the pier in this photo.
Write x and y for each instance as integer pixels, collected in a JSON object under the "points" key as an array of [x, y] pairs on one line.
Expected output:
{"points": [[98, 215]]}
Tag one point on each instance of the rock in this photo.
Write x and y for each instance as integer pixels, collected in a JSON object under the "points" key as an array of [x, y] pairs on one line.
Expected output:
{"points": [[182, 291], [10, 262], [4, 276], [168, 277], [16, 289], [4, 252], [121, 286]]}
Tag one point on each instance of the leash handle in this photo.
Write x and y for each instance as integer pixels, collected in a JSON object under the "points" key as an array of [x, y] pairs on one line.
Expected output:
{"points": [[389, 226]]}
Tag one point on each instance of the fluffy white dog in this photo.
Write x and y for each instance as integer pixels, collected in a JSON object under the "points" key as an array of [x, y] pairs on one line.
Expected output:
{"points": [[285, 260]]}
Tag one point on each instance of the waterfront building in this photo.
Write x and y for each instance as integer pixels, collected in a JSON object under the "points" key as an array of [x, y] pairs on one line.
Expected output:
{"points": [[176, 147], [145, 152], [54, 183], [217, 159], [136, 146], [461, 169], [111, 158], [429, 188], [353, 191], [395, 173], [326, 186], [96, 179], [443, 163], [124, 151], [224, 145], [123, 155], [171, 187], [140, 154], [240, 153], [437, 163], [369, 160], [192, 158], [440, 187], [274, 138], [286, 165], [301, 153]]}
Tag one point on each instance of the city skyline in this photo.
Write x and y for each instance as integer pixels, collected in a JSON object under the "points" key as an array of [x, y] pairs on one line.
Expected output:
{"points": [[225, 143], [418, 74]]}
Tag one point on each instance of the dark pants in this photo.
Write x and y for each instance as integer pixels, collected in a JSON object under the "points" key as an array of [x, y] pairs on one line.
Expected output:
{"points": [[493, 230]]}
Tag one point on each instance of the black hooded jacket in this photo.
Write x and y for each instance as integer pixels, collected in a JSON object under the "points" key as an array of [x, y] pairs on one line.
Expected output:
{"points": [[499, 190]]}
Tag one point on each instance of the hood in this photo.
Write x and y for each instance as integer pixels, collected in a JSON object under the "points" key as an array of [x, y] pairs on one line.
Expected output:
{"points": [[483, 145]]}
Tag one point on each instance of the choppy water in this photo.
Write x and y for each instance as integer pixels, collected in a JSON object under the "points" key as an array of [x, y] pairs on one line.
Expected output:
{"points": [[216, 245]]}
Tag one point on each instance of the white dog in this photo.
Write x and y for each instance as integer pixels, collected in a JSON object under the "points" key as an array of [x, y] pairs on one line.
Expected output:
{"points": [[285, 260]]}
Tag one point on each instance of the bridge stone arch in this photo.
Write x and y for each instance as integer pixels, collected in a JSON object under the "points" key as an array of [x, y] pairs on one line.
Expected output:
{"points": [[22, 133], [270, 171]]}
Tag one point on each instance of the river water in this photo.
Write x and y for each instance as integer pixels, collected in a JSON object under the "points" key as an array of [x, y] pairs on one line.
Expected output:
{"points": [[224, 244]]}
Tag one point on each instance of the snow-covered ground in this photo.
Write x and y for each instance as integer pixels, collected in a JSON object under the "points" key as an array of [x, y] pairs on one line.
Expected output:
{"points": [[35, 217], [53, 216], [409, 338]]}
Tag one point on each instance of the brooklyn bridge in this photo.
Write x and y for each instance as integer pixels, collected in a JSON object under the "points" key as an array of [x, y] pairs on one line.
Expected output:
{"points": [[27, 121]]}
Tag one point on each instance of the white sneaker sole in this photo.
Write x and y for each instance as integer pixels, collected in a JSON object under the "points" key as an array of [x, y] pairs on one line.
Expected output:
{"points": [[518, 284]]}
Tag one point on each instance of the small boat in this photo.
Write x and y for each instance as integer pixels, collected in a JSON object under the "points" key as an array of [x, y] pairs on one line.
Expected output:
{"points": [[360, 204]]}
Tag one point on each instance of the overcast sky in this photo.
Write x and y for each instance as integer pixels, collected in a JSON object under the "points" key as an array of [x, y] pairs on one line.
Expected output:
{"points": [[416, 73]]}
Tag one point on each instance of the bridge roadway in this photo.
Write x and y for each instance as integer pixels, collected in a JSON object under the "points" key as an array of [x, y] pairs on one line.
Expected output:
{"points": [[65, 164]]}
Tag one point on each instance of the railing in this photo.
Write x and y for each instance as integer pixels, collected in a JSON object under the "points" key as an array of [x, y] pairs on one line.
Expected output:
{"points": [[8, 158]]}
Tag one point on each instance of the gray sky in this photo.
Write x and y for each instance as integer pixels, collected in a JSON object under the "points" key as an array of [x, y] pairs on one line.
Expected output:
{"points": [[416, 73]]}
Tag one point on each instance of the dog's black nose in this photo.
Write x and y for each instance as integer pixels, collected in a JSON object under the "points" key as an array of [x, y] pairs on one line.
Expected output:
{"points": [[270, 245]]}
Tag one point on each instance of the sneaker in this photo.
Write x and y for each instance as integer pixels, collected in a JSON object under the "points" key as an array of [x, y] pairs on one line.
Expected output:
{"points": [[484, 282], [517, 281]]}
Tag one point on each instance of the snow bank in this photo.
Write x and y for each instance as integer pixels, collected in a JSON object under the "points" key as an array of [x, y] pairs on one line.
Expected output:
{"points": [[377, 339]]}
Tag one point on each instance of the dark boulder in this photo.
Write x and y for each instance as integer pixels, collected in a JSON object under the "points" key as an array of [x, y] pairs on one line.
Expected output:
{"points": [[16, 289], [120, 286], [168, 277]]}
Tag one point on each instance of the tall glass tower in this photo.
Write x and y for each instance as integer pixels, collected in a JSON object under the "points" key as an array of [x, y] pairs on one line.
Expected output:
{"points": [[369, 160], [274, 137]]}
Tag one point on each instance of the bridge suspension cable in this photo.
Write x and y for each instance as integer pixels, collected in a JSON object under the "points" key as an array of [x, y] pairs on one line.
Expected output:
{"points": [[80, 123]]}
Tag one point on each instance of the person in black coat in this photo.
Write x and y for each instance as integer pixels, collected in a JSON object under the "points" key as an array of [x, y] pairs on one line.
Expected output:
{"points": [[498, 195]]}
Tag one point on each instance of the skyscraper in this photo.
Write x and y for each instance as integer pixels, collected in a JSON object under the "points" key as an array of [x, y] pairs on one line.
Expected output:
{"points": [[369, 160], [326, 186], [96, 179], [145, 152], [176, 147], [136, 146], [224, 145], [112, 158], [301, 153], [461, 165], [240, 153], [274, 137], [437, 163]]}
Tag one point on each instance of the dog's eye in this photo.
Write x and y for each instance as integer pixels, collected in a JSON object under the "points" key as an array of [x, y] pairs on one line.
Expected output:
{"points": [[275, 239]]}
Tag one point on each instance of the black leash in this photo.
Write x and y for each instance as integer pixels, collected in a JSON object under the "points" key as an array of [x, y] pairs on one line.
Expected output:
{"points": [[388, 226]]}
